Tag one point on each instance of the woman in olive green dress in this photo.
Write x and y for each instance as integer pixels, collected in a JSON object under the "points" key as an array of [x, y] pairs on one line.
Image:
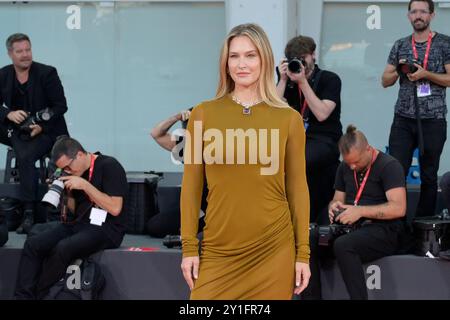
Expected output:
{"points": [[250, 146]]}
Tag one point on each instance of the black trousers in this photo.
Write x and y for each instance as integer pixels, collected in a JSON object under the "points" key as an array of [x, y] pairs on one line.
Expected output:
{"points": [[3, 230], [27, 153], [322, 160], [47, 255], [403, 141], [370, 242], [445, 187]]}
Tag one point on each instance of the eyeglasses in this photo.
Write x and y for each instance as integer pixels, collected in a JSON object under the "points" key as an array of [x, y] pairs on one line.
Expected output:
{"points": [[416, 11], [67, 167]]}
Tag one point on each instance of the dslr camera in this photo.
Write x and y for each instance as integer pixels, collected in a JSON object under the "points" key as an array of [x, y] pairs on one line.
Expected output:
{"points": [[172, 241], [328, 234], [53, 195], [40, 116], [295, 64], [407, 66]]}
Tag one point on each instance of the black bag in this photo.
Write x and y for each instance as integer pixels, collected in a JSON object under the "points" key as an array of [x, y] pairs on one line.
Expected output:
{"points": [[140, 204], [87, 287], [11, 210], [431, 235]]}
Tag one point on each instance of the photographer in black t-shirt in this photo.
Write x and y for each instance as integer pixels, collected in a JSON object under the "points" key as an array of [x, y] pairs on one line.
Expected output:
{"points": [[315, 93], [95, 187], [370, 192]]}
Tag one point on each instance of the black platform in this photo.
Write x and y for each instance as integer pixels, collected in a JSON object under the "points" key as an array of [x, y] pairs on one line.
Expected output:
{"points": [[144, 269]]}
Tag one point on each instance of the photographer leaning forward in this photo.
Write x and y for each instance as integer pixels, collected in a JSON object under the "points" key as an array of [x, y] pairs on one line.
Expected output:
{"points": [[315, 93], [371, 197], [422, 62], [95, 187], [26, 88]]}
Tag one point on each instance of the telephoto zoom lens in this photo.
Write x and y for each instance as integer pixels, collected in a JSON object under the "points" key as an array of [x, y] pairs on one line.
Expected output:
{"points": [[53, 195]]}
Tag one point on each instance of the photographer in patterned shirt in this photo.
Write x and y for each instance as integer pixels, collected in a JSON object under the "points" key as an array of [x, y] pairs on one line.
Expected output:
{"points": [[422, 62]]}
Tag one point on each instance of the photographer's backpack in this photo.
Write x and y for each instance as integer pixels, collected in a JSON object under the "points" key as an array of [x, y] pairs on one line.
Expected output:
{"points": [[83, 280], [431, 235]]}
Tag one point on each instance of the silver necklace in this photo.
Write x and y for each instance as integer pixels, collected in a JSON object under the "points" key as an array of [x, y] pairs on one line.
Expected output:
{"points": [[246, 110]]}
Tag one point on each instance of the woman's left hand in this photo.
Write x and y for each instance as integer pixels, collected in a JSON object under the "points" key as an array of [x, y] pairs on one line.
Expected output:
{"points": [[302, 275]]}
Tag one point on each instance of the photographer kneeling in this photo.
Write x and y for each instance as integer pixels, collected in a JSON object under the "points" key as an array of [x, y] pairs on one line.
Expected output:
{"points": [[95, 188], [370, 194]]}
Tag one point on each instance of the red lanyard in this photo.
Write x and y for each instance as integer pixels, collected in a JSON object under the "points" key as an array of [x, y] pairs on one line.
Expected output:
{"points": [[91, 172], [363, 184], [427, 53], [305, 104], [91, 168]]}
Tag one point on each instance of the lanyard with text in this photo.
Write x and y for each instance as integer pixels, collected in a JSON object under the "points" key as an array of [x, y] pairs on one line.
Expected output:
{"points": [[427, 53], [360, 188], [91, 171]]}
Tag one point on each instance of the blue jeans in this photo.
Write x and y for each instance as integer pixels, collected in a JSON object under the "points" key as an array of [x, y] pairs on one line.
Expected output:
{"points": [[402, 142]]}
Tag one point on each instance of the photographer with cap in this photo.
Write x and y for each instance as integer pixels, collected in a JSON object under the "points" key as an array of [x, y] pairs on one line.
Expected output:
{"points": [[370, 193], [32, 107], [422, 63], [95, 187], [315, 93]]}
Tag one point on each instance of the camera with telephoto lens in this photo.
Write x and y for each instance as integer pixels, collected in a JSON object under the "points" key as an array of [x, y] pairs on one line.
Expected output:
{"points": [[407, 66], [53, 195], [295, 64], [328, 234], [40, 116]]}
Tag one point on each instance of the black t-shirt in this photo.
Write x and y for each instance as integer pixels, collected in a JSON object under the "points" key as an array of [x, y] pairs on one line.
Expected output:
{"points": [[108, 177], [20, 96], [329, 88], [386, 173]]}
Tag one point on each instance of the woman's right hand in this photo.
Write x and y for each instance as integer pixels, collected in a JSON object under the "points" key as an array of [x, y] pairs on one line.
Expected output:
{"points": [[189, 266]]}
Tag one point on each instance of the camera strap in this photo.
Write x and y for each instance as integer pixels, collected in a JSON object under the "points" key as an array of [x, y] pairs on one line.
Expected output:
{"points": [[361, 187], [427, 52]]}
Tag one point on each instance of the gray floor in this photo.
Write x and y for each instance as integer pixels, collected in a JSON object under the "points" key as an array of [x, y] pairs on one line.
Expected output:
{"points": [[16, 241]]}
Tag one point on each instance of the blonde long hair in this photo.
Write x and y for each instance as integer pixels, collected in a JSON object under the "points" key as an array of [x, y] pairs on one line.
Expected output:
{"points": [[266, 84]]}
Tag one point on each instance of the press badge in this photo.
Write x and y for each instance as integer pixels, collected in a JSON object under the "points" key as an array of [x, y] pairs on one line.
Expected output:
{"points": [[306, 123], [423, 89], [98, 216]]}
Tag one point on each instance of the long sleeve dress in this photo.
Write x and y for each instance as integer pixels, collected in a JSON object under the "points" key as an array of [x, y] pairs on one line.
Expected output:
{"points": [[257, 219]]}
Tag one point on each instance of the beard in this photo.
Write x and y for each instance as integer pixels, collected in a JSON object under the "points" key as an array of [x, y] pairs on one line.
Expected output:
{"points": [[310, 66], [420, 28]]}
